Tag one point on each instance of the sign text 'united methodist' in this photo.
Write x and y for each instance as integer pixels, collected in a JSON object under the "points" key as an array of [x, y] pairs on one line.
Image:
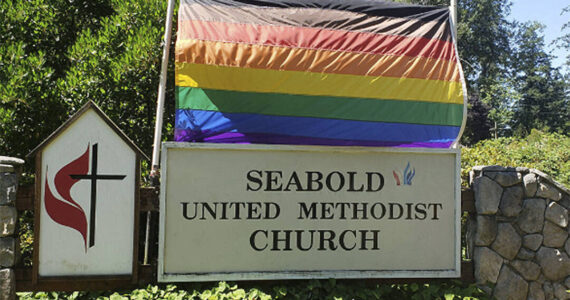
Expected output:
{"points": [[265, 212]]}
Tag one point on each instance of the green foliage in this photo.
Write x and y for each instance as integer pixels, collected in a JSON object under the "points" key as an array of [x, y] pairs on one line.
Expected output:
{"points": [[478, 126], [547, 152], [483, 40], [563, 41], [508, 67], [312, 289], [543, 103], [485, 49], [26, 236], [57, 54]]}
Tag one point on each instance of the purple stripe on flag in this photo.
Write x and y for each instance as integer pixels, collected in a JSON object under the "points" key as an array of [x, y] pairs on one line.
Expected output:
{"points": [[260, 138]]}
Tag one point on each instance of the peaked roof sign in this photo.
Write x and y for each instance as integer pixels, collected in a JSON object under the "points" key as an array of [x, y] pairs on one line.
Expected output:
{"points": [[87, 176]]}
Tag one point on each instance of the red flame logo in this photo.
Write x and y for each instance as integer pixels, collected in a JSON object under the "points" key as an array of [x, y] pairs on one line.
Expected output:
{"points": [[66, 211]]}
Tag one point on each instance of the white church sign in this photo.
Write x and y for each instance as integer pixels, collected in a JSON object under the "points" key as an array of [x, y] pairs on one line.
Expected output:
{"points": [[87, 182], [247, 212]]}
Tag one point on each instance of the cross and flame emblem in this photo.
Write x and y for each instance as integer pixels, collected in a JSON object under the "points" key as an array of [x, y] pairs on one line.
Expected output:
{"points": [[65, 210]]}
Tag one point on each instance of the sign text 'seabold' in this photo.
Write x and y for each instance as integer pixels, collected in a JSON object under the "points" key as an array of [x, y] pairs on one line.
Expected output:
{"points": [[232, 212]]}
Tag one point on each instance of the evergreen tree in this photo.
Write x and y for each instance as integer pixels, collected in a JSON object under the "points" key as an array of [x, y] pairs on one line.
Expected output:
{"points": [[543, 104], [563, 42], [485, 50]]}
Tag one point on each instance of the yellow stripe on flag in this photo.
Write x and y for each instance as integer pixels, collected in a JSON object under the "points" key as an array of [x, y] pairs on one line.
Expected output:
{"points": [[317, 84]]}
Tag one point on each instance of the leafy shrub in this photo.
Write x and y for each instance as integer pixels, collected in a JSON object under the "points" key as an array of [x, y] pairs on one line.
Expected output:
{"points": [[547, 152], [311, 289]]}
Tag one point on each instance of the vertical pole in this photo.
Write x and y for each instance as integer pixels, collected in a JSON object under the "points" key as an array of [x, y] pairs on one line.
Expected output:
{"points": [[453, 9], [154, 173], [162, 89], [146, 239]]}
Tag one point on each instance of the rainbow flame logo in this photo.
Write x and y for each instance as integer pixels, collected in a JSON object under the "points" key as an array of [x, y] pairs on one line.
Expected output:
{"points": [[406, 176]]}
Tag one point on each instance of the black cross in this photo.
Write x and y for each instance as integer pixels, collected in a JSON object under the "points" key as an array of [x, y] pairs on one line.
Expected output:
{"points": [[94, 177]]}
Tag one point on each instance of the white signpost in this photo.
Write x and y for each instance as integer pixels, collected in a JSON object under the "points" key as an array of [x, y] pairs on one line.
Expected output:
{"points": [[248, 212], [88, 181]]}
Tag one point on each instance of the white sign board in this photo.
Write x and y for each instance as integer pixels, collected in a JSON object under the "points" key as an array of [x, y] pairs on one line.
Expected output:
{"points": [[246, 212], [88, 182]]}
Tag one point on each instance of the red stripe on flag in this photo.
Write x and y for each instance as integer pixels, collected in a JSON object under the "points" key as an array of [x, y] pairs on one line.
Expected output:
{"points": [[316, 38]]}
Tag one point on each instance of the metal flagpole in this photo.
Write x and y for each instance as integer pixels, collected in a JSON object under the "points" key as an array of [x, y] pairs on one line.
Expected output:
{"points": [[162, 90], [453, 9], [154, 173]]}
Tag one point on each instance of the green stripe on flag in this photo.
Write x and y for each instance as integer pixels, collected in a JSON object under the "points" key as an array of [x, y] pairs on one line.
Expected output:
{"points": [[374, 110]]}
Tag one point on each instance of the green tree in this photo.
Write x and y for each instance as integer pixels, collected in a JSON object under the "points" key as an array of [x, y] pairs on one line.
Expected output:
{"points": [[485, 50], [563, 42], [543, 103], [58, 54]]}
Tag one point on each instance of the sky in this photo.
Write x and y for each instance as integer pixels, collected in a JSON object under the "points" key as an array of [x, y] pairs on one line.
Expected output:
{"points": [[546, 12]]}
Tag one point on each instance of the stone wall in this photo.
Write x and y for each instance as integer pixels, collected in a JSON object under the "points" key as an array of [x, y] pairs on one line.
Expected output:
{"points": [[9, 172], [519, 236]]}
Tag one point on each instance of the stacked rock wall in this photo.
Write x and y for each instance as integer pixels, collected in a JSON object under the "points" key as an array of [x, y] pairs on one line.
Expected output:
{"points": [[520, 234], [9, 172]]}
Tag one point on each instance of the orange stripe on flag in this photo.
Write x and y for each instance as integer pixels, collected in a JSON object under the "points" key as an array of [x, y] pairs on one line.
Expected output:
{"points": [[318, 61]]}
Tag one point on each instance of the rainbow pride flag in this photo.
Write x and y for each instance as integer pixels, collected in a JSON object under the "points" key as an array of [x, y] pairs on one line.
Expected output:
{"points": [[317, 72]]}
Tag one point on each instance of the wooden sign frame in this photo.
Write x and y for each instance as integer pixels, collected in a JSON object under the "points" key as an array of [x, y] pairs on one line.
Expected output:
{"points": [[37, 153]]}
